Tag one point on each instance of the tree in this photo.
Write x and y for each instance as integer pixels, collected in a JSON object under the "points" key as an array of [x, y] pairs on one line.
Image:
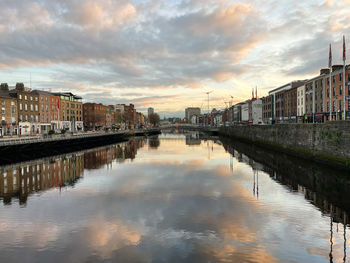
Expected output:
{"points": [[154, 119]]}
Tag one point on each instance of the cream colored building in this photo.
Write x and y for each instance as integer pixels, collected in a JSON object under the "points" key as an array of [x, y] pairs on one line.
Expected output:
{"points": [[301, 100]]}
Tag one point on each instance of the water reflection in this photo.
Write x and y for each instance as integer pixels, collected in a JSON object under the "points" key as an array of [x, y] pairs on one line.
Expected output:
{"points": [[325, 188], [23, 179], [168, 199]]}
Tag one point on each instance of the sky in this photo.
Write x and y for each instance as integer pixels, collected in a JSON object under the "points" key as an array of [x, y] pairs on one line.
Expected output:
{"points": [[167, 54]]}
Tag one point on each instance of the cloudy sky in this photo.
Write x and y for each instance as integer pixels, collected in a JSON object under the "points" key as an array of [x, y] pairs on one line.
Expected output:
{"points": [[168, 53]]}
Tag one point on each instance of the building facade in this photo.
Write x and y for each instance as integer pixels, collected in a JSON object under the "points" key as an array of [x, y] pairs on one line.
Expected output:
{"points": [[48, 110], [300, 102], [9, 112], [267, 103], [95, 116], [27, 108], [70, 112]]}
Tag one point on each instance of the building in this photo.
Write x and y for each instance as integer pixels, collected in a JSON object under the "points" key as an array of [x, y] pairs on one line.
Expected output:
{"points": [[290, 113], [237, 113], [300, 102], [314, 97], [48, 110], [336, 103], [70, 112], [257, 111], [130, 116], [27, 108], [189, 112], [245, 112], [150, 111], [9, 112], [267, 103], [95, 116]]}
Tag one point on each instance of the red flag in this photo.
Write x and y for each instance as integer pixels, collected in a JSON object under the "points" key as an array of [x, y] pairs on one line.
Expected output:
{"points": [[58, 104], [330, 56], [252, 94], [344, 49]]}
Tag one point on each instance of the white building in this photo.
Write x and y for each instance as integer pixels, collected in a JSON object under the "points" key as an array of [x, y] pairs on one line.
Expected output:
{"points": [[245, 111], [194, 119], [257, 111], [301, 100]]}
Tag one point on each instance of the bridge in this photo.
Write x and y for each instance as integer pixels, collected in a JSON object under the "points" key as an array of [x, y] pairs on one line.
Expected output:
{"points": [[191, 127]]}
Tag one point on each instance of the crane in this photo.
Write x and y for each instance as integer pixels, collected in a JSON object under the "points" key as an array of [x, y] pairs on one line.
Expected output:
{"points": [[208, 92]]}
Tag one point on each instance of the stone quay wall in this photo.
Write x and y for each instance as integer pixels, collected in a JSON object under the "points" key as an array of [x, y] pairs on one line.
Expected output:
{"points": [[328, 143]]}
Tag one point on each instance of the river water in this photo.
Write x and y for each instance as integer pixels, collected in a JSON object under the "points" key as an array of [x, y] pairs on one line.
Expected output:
{"points": [[173, 198]]}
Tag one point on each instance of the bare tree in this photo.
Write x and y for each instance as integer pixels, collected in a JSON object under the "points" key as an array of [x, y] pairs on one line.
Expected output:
{"points": [[154, 119]]}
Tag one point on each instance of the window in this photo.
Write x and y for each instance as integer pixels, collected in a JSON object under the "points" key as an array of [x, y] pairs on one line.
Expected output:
{"points": [[31, 98], [2, 110], [42, 98], [12, 110], [321, 109], [2, 102], [42, 118], [47, 107], [36, 118], [20, 96], [26, 117], [340, 106], [25, 97], [20, 106], [333, 92], [31, 107], [327, 93], [340, 76], [340, 90], [333, 106], [327, 106], [31, 118], [20, 117], [36, 99], [333, 79], [47, 98], [36, 107], [26, 107]]}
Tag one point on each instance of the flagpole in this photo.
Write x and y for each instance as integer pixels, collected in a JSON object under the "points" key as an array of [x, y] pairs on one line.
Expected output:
{"points": [[344, 61], [330, 83]]}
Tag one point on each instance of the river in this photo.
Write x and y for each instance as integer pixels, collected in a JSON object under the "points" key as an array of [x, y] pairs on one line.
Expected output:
{"points": [[173, 198]]}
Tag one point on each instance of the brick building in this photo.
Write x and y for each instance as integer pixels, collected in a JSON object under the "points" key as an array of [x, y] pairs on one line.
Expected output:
{"points": [[70, 111], [8, 113], [267, 108], [48, 110], [337, 103], [27, 108], [95, 116]]}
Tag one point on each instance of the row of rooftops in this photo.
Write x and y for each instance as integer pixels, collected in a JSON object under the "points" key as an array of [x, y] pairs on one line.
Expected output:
{"points": [[9, 91], [323, 73]]}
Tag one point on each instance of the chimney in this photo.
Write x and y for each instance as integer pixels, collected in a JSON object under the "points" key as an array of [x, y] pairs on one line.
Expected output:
{"points": [[20, 86], [324, 71], [4, 87]]}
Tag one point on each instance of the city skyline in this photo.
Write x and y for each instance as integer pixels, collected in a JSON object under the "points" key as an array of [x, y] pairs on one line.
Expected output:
{"points": [[167, 54]]}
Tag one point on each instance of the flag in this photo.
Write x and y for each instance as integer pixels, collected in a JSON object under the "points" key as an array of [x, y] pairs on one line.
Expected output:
{"points": [[253, 94], [330, 56], [58, 104], [344, 49]]}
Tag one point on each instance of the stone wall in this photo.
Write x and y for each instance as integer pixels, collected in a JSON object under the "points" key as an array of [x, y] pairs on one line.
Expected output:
{"points": [[328, 142]]}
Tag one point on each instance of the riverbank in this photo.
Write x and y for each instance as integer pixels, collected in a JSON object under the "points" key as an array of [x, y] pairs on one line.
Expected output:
{"points": [[22, 149], [327, 143]]}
